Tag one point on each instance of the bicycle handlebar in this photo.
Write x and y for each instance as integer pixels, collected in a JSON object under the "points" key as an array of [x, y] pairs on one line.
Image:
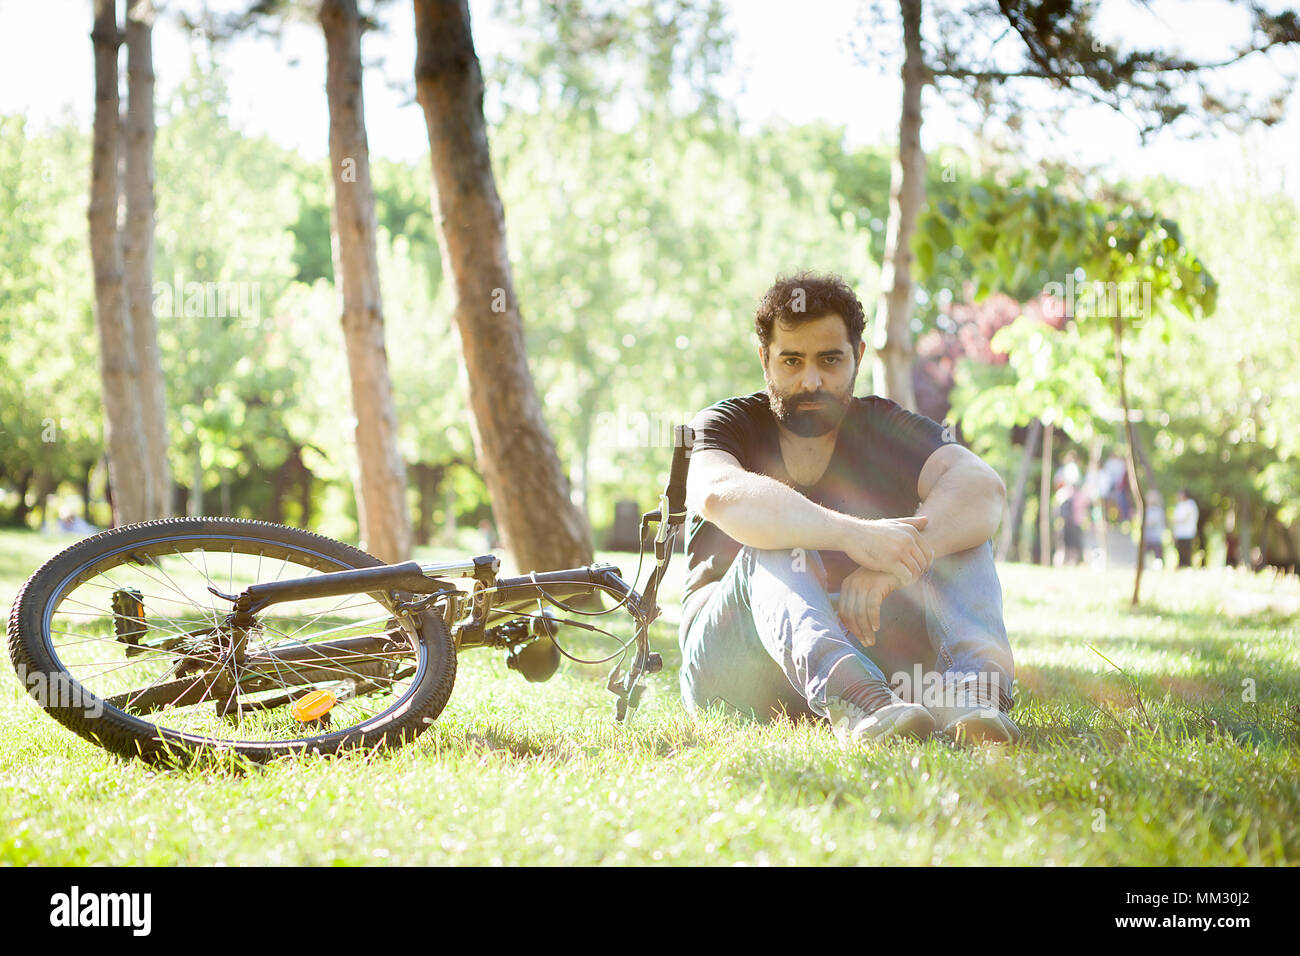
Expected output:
{"points": [[683, 440]]}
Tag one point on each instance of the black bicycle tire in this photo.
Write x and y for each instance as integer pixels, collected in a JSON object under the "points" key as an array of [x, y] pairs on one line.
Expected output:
{"points": [[31, 652]]}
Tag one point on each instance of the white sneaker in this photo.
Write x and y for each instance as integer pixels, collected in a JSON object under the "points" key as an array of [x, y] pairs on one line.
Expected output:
{"points": [[979, 719], [852, 724]]}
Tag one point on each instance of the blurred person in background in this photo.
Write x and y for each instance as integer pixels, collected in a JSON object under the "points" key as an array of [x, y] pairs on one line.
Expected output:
{"points": [[1115, 471], [1186, 518]]}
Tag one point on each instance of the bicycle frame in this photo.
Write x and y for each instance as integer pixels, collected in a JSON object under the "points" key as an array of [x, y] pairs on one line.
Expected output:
{"points": [[412, 588]]}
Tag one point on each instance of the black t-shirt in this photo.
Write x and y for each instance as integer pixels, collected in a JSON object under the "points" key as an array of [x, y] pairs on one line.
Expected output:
{"points": [[879, 452]]}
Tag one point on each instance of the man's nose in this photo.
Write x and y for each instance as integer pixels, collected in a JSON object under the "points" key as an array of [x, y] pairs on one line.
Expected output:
{"points": [[812, 379]]}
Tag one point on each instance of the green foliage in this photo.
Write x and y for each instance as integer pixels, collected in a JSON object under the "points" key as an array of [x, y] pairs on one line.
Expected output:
{"points": [[50, 418], [1226, 387], [312, 252], [604, 60], [1210, 358], [1107, 263], [1050, 375], [638, 259], [1014, 233], [403, 205], [226, 402]]}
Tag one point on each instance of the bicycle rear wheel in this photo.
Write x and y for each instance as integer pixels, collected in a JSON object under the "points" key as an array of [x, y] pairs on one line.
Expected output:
{"points": [[122, 640]]}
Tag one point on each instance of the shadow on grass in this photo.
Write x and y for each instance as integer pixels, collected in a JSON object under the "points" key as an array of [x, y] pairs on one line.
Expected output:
{"points": [[1228, 666], [1091, 709], [663, 735], [1263, 618]]}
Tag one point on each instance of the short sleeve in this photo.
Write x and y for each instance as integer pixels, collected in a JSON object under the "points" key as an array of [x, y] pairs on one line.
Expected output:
{"points": [[724, 427], [908, 440]]}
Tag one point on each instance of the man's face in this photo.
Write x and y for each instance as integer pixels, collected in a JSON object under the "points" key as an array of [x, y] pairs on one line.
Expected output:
{"points": [[810, 369]]}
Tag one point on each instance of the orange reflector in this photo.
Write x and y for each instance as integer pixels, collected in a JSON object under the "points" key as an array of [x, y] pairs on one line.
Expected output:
{"points": [[313, 706]]}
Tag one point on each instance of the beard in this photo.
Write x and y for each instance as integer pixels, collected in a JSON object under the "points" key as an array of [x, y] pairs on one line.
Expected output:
{"points": [[807, 422]]}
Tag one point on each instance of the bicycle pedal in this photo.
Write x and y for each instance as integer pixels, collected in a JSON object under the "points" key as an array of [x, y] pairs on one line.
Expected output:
{"points": [[314, 707], [128, 619]]}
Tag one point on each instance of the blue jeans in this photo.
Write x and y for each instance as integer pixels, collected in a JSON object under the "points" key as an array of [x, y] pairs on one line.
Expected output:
{"points": [[765, 640]]}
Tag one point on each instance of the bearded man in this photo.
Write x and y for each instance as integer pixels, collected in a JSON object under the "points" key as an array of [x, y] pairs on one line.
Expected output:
{"points": [[833, 540]]}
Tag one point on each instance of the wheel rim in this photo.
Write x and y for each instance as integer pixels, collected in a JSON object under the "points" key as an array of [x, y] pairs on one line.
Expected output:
{"points": [[181, 681]]}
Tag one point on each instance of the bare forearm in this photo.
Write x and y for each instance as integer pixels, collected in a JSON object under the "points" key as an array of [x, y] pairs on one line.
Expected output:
{"points": [[763, 513], [964, 508]]}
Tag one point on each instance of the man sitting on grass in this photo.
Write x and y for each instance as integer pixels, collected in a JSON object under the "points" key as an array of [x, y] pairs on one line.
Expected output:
{"points": [[804, 490]]}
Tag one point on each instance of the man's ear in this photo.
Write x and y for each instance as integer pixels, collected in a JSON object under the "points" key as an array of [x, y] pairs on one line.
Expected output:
{"points": [[862, 347], [762, 355]]}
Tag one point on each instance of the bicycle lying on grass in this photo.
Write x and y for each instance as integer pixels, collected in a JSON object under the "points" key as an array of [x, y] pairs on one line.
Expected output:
{"points": [[184, 636]]}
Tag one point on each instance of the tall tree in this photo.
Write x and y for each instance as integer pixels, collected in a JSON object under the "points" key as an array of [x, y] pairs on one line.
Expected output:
{"points": [[381, 492], [123, 422], [892, 333], [138, 251], [540, 525]]}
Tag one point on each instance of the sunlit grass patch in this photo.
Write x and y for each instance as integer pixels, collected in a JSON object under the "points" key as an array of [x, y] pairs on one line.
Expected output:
{"points": [[1157, 757]]}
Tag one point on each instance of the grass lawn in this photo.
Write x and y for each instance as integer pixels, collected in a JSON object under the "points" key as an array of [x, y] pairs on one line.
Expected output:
{"points": [[1167, 763]]}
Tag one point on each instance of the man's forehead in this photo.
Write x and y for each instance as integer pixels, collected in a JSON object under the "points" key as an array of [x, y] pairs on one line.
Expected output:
{"points": [[825, 333]]}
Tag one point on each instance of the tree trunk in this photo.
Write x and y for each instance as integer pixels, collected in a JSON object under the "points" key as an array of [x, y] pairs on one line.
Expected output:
{"points": [[21, 482], [46, 484], [426, 487], [123, 426], [429, 481], [83, 485], [1244, 531], [279, 487], [138, 250], [1266, 539], [381, 489], [1135, 482], [304, 500], [1045, 501], [539, 524], [1011, 530], [893, 331], [1148, 472]]}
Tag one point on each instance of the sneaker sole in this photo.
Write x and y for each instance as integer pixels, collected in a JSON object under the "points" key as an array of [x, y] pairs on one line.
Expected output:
{"points": [[982, 730]]}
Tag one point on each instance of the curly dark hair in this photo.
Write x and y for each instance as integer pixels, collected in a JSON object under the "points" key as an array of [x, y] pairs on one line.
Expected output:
{"points": [[806, 296]]}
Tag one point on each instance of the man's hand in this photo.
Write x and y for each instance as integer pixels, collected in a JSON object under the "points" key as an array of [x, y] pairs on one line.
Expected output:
{"points": [[861, 594], [891, 545]]}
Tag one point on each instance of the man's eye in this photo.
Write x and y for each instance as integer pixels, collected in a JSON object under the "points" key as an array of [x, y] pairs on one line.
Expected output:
{"points": [[791, 361], [832, 359]]}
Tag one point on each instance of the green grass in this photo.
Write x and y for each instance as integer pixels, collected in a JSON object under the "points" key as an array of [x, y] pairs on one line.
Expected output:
{"points": [[1162, 764]]}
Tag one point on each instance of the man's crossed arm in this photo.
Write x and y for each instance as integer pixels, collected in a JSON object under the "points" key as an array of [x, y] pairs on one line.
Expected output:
{"points": [[961, 505], [963, 498]]}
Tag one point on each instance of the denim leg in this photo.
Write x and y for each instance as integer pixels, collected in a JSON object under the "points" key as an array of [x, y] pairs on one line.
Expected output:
{"points": [[963, 601], [946, 627], [767, 638]]}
